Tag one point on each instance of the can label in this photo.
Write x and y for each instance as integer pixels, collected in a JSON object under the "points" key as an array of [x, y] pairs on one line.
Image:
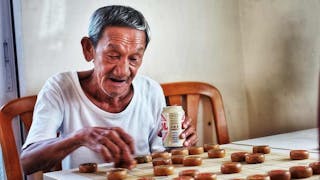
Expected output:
{"points": [[172, 118]]}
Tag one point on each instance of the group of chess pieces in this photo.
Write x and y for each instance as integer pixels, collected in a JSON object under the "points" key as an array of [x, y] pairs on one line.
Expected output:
{"points": [[163, 164]]}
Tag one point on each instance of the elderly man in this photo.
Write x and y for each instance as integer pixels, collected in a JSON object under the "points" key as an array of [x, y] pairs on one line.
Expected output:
{"points": [[107, 114]]}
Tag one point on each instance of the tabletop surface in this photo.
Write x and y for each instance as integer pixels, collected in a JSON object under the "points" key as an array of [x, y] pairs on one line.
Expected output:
{"points": [[278, 159], [306, 139]]}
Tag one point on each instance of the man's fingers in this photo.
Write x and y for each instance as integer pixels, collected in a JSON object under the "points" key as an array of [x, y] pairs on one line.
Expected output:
{"points": [[101, 149], [187, 122], [116, 139], [192, 140], [113, 140], [113, 148], [126, 138], [126, 161], [125, 141], [187, 132]]}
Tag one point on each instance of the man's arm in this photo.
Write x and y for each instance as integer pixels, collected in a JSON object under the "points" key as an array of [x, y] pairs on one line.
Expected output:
{"points": [[112, 143], [43, 155]]}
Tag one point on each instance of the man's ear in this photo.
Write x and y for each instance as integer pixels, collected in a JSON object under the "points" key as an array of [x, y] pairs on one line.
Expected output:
{"points": [[87, 48]]}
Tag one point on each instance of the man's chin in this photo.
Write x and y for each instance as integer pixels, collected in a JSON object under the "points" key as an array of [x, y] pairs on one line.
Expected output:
{"points": [[115, 93], [116, 90]]}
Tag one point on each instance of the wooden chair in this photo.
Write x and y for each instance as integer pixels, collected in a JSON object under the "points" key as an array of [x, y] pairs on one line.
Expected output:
{"points": [[187, 94], [22, 107]]}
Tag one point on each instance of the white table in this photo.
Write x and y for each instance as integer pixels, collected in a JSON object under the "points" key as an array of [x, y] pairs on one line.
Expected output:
{"points": [[282, 143]]}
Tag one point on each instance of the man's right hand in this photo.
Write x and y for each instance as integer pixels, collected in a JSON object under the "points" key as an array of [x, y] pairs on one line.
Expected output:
{"points": [[113, 144]]}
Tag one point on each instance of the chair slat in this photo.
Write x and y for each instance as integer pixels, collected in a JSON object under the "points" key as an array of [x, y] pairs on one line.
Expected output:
{"points": [[192, 102], [219, 117], [175, 100]]}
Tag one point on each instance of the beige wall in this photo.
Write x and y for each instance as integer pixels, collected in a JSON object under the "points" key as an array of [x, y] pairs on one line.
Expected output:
{"points": [[281, 55], [227, 43]]}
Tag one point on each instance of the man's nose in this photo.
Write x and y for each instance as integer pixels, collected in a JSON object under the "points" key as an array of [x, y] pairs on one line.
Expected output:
{"points": [[122, 68]]}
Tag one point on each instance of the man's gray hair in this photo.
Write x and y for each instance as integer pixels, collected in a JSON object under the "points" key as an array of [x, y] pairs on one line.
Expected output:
{"points": [[116, 15]]}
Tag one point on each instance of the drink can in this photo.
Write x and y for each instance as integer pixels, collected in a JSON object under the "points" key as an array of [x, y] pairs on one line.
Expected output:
{"points": [[172, 118]]}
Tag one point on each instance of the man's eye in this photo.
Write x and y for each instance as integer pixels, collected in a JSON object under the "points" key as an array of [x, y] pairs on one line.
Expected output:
{"points": [[114, 57]]}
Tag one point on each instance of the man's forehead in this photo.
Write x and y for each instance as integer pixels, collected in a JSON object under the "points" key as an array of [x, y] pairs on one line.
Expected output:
{"points": [[137, 47], [123, 37], [125, 33]]}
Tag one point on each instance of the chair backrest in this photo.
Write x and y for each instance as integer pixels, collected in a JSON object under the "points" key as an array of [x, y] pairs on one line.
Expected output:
{"points": [[188, 94], [22, 107]]}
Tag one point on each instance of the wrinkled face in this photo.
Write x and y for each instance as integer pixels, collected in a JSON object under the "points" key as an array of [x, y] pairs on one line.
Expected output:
{"points": [[117, 58]]}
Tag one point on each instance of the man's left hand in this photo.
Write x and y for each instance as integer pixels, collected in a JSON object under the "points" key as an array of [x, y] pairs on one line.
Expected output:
{"points": [[189, 132]]}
